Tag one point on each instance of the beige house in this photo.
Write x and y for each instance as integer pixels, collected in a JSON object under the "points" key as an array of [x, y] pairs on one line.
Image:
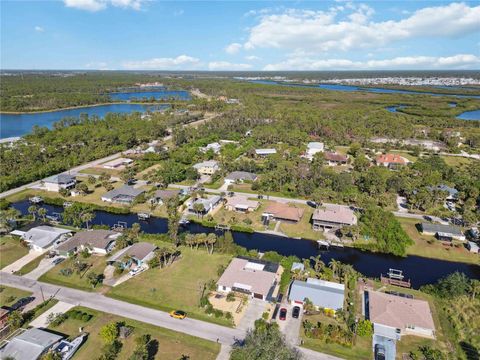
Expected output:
{"points": [[241, 204], [207, 167]]}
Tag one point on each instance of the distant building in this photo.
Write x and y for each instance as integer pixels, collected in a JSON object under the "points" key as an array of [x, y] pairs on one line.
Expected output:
{"points": [[391, 161], [333, 216], [443, 232], [283, 212], [241, 204], [135, 255], [265, 152], [452, 192], [313, 148], [61, 181], [207, 167], [323, 294], [98, 242], [30, 345], [335, 158], [123, 195], [162, 196], [240, 176], [117, 164], [393, 316], [208, 204], [253, 277], [473, 247], [215, 147], [41, 237]]}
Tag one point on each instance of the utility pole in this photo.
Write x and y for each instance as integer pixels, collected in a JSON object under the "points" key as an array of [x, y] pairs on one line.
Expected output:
{"points": [[43, 297]]}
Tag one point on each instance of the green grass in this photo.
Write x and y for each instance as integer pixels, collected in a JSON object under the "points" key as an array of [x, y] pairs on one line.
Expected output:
{"points": [[32, 265], [457, 161], [11, 249], [9, 295], [171, 344], [428, 246], [96, 264], [179, 286]]}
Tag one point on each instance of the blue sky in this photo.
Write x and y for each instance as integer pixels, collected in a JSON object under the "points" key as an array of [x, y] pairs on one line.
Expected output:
{"points": [[248, 35]]}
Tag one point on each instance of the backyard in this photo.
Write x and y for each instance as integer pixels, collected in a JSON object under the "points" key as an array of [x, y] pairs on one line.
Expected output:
{"points": [[170, 345], [11, 249], [178, 286]]}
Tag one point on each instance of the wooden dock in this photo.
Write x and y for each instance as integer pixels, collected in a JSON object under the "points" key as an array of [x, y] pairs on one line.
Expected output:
{"points": [[389, 281]]}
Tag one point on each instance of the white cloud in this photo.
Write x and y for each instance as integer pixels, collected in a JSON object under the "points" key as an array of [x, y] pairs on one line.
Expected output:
{"points": [[97, 5], [324, 31], [460, 61], [233, 48], [39, 29], [182, 62], [225, 65], [252, 58], [97, 65]]}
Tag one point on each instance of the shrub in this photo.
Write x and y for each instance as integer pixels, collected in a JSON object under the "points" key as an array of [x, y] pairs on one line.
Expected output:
{"points": [[230, 297], [86, 317], [364, 328], [66, 272], [217, 313]]}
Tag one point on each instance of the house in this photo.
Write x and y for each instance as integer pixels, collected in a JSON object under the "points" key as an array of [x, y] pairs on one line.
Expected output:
{"points": [[136, 255], [57, 182], [41, 237], [391, 161], [313, 148], [265, 152], [240, 177], [253, 277], [452, 193], [22, 230], [162, 196], [335, 158], [208, 204], [442, 232], [323, 294], [123, 195], [117, 164], [332, 216], [215, 147], [207, 167], [30, 345], [241, 204], [98, 242], [283, 212], [394, 316], [473, 247]]}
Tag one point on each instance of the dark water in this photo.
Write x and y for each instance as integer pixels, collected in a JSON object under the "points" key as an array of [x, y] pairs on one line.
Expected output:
{"points": [[420, 270], [350, 88], [470, 115], [21, 124], [394, 108], [157, 94]]}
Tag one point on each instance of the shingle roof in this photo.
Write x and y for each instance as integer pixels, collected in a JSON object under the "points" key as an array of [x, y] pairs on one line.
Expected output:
{"points": [[390, 159], [399, 312], [241, 175], [209, 163], [321, 293], [124, 190], [439, 228], [138, 250], [284, 211], [335, 157], [166, 194], [95, 238], [60, 179], [336, 214]]}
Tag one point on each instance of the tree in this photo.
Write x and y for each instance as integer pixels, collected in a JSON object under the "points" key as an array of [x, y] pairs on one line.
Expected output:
{"points": [[52, 355], [94, 279], [91, 180], [109, 333], [15, 319], [173, 219], [8, 217], [198, 208], [87, 217], [82, 188], [64, 192], [32, 210], [264, 342], [474, 288], [42, 212], [364, 328], [210, 241]]}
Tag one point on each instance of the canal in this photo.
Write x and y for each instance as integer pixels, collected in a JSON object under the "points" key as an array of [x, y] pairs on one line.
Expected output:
{"points": [[420, 270]]}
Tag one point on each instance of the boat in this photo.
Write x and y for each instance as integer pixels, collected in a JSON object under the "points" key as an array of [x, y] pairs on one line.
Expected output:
{"points": [[68, 348], [53, 217], [143, 216], [36, 199], [323, 244], [184, 221]]}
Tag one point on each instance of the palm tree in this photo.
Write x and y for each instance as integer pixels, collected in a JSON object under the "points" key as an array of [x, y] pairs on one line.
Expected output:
{"points": [[198, 208], [7, 217], [32, 210], [87, 218], [335, 266], [42, 212], [318, 263], [474, 288], [211, 240], [190, 240]]}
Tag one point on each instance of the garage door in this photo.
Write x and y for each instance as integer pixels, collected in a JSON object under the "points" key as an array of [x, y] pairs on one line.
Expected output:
{"points": [[258, 296]]}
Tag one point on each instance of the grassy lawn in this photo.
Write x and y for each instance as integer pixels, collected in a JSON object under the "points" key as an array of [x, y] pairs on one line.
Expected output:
{"points": [[303, 228], [9, 295], [216, 185], [96, 264], [11, 250], [434, 249], [224, 216], [406, 155], [32, 265], [99, 171], [457, 161], [171, 344], [179, 286]]}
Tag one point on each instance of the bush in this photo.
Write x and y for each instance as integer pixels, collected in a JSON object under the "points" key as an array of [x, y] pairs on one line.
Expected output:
{"points": [[66, 272], [364, 328], [230, 297], [217, 313], [86, 317], [56, 319]]}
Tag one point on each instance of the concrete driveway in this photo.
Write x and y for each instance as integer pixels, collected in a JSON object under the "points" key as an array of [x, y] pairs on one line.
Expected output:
{"points": [[290, 327], [43, 267], [60, 307], [254, 311], [17, 265]]}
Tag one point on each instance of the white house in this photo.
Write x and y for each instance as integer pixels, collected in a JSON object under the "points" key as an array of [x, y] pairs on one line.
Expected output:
{"points": [[215, 147], [57, 182], [41, 237], [313, 148], [207, 167], [265, 152]]}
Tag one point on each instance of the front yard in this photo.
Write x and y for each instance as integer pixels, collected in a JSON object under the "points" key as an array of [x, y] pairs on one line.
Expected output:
{"points": [[178, 286], [11, 249], [9, 295], [169, 345]]}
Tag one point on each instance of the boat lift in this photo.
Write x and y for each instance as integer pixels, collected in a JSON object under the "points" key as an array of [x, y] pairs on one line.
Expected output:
{"points": [[120, 226]]}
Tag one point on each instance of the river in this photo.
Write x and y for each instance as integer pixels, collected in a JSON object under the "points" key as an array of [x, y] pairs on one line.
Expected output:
{"points": [[22, 124], [420, 270]]}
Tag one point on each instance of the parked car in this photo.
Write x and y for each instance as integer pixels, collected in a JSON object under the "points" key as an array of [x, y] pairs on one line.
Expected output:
{"points": [[260, 196], [22, 302], [312, 204], [296, 312], [283, 314], [136, 271], [57, 260], [178, 314]]}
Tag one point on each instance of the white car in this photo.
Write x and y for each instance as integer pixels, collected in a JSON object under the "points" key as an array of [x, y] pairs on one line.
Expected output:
{"points": [[136, 271]]}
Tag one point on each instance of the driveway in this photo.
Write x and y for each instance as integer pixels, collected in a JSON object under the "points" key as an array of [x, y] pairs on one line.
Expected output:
{"points": [[290, 327], [17, 265], [60, 307], [43, 267], [254, 311]]}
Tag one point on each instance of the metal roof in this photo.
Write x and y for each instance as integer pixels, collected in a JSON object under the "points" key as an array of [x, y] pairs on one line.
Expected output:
{"points": [[439, 228], [29, 345], [321, 293]]}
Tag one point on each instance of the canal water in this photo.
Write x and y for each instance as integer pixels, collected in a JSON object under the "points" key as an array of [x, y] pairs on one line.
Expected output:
{"points": [[420, 270], [22, 124]]}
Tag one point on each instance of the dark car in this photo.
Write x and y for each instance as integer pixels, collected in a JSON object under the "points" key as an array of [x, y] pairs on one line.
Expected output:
{"points": [[260, 196], [283, 314], [296, 312], [379, 352], [312, 204], [58, 260], [22, 302]]}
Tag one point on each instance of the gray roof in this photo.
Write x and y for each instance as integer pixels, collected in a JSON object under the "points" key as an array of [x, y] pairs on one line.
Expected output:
{"points": [[241, 175], [166, 194], [321, 293], [451, 191], [94, 238], [29, 345], [124, 190], [208, 163], [60, 179], [138, 251], [439, 228], [43, 236]]}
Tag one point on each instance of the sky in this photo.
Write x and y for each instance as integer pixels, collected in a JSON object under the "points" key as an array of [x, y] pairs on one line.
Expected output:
{"points": [[239, 35]]}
